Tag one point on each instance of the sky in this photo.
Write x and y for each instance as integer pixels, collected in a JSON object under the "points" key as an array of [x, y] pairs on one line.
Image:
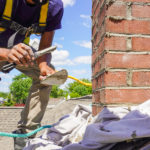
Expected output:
{"points": [[73, 43]]}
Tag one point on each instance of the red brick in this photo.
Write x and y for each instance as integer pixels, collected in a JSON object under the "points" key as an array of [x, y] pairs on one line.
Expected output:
{"points": [[142, 1], [115, 43], [141, 78], [99, 109], [94, 84], [127, 61], [98, 9], [101, 17], [94, 4], [93, 70], [94, 30], [126, 95], [117, 10], [100, 81], [94, 110], [102, 95], [128, 26], [141, 11], [94, 40], [100, 47], [96, 67], [141, 44], [102, 63], [99, 35], [115, 78], [94, 56], [96, 96]]}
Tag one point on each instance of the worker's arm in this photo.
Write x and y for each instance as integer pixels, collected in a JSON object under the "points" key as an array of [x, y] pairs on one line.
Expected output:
{"points": [[44, 61]]}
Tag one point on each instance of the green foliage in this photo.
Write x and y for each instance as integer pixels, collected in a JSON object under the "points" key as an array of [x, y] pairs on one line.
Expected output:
{"points": [[4, 95], [73, 95], [8, 103], [77, 89], [19, 88], [6, 99], [57, 92], [21, 84]]}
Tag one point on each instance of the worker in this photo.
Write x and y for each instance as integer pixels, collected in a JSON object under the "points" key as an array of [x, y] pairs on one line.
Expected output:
{"points": [[18, 20]]}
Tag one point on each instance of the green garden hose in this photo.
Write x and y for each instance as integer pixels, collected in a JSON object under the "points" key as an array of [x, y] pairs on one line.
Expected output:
{"points": [[24, 135]]}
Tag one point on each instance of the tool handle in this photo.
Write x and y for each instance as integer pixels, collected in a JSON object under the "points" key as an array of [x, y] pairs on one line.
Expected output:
{"points": [[44, 51], [8, 67]]}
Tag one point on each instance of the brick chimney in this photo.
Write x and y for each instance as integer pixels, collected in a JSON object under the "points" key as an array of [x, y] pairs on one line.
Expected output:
{"points": [[120, 52]]}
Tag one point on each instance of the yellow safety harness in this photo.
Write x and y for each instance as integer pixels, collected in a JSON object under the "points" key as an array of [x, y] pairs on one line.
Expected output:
{"points": [[7, 22]]}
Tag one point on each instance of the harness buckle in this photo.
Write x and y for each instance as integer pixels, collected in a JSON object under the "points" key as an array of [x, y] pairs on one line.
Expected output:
{"points": [[29, 31]]}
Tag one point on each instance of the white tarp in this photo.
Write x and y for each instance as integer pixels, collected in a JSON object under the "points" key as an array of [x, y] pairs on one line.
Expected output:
{"points": [[112, 125], [69, 129]]}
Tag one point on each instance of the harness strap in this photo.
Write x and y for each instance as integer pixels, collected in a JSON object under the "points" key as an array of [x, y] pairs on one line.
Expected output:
{"points": [[43, 14], [12, 25], [7, 13], [6, 22], [12, 39], [8, 10]]}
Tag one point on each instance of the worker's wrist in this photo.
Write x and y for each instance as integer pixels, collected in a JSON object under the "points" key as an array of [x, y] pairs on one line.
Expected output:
{"points": [[42, 64], [4, 54]]}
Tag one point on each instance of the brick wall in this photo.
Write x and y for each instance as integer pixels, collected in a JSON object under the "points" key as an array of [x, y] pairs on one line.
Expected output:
{"points": [[120, 52]]}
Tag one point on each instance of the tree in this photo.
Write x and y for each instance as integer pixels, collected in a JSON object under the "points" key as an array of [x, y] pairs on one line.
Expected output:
{"points": [[4, 95], [57, 92], [21, 84], [19, 88], [77, 89]]}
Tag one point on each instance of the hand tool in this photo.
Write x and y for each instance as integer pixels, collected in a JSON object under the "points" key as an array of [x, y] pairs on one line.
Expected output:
{"points": [[8, 67], [58, 78]]}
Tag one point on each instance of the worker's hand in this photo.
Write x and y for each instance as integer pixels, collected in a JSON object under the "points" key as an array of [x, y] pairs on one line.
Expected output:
{"points": [[21, 54], [45, 70]]}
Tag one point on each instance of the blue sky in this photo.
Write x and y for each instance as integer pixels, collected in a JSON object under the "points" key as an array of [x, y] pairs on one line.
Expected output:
{"points": [[73, 43]]}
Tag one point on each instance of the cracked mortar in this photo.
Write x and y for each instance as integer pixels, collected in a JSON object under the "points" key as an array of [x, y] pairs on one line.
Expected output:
{"points": [[116, 18], [129, 77]]}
